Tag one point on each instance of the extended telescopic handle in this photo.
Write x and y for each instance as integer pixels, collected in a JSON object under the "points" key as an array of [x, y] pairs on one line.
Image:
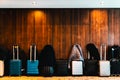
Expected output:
{"points": [[103, 49], [34, 52], [14, 52]]}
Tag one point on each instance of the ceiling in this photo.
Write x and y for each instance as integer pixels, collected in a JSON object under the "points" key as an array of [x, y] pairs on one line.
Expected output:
{"points": [[59, 3]]}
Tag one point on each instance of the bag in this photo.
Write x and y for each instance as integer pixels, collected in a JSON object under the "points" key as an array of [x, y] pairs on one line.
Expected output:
{"points": [[5, 59], [94, 54], [61, 68], [47, 61], [15, 64], [104, 65], [76, 54], [91, 67], [114, 52], [32, 65], [76, 59]]}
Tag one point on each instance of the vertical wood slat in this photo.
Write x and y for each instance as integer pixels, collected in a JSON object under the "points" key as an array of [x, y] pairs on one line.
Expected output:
{"points": [[60, 28]]}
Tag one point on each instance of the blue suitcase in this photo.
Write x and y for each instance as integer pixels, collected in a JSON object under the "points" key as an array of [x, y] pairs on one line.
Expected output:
{"points": [[32, 65], [15, 64]]}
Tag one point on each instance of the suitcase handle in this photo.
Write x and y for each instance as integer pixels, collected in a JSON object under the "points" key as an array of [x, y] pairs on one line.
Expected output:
{"points": [[103, 46], [14, 52], [31, 52], [88, 55]]}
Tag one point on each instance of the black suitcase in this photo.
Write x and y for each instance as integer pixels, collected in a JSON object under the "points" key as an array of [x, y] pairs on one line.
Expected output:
{"points": [[61, 68], [91, 68], [114, 55], [115, 67]]}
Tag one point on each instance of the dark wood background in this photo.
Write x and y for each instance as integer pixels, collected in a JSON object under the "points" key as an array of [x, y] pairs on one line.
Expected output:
{"points": [[59, 27]]}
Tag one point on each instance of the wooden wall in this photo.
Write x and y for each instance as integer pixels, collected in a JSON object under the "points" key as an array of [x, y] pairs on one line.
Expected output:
{"points": [[59, 27]]}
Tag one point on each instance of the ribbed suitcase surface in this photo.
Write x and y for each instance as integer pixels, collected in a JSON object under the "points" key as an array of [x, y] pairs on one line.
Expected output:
{"points": [[15, 67], [115, 68], [104, 65], [15, 64], [91, 68], [32, 67], [62, 67], [77, 67]]}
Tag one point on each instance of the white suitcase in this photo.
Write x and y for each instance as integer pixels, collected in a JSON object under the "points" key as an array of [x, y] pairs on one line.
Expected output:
{"points": [[1, 67], [77, 68], [104, 65]]}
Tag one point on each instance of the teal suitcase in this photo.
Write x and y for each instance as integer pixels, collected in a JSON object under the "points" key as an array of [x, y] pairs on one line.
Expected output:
{"points": [[32, 65], [15, 64]]}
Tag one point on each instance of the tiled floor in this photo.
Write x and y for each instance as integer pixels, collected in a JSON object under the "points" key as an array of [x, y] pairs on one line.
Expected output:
{"points": [[59, 78]]}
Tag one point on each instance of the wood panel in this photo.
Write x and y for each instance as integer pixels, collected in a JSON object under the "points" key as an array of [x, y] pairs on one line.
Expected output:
{"points": [[59, 27], [114, 27]]}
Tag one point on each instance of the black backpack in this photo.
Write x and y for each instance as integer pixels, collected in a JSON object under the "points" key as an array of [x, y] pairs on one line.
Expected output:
{"points": [[47, 61], [94, 53], [114, 52]]}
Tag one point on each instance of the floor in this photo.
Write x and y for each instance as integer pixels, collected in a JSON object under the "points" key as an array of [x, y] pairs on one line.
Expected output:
{"points": [[59, 78]]}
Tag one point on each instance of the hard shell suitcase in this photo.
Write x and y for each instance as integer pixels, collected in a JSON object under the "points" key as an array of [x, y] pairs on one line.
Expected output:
{"points": [[77, 65], [104, 65], [115, 68], [77, 68], [61, 67], [114, 51], [15, 64], [91, 68], [1, 68], [32, 65]]}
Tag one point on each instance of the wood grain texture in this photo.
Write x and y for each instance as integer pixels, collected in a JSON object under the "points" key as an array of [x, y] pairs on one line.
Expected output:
{"points": [[59, 27]]}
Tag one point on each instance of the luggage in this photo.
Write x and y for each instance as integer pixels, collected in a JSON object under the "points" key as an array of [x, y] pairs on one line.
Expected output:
{"points": [[114, 52], [15, 64], [47, 61], [115, 67], [91, 67], [1, 68], [4, 61], [76, 60], [61, 67], [94, 53], [114, 60], [32, 65], [77, 68], [104, 65], [76, 54]]}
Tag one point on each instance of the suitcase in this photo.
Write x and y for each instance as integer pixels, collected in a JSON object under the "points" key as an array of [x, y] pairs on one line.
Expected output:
{"points": [[104, 65], [61, 68], [15, 64], [77, 67], [1, 68], [115, 67], [91, 67], [32, 65]]}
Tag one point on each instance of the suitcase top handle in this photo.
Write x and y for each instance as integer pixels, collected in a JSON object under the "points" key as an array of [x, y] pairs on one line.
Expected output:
{"points": [[15, 47], [32, 46], [103, 49]]}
